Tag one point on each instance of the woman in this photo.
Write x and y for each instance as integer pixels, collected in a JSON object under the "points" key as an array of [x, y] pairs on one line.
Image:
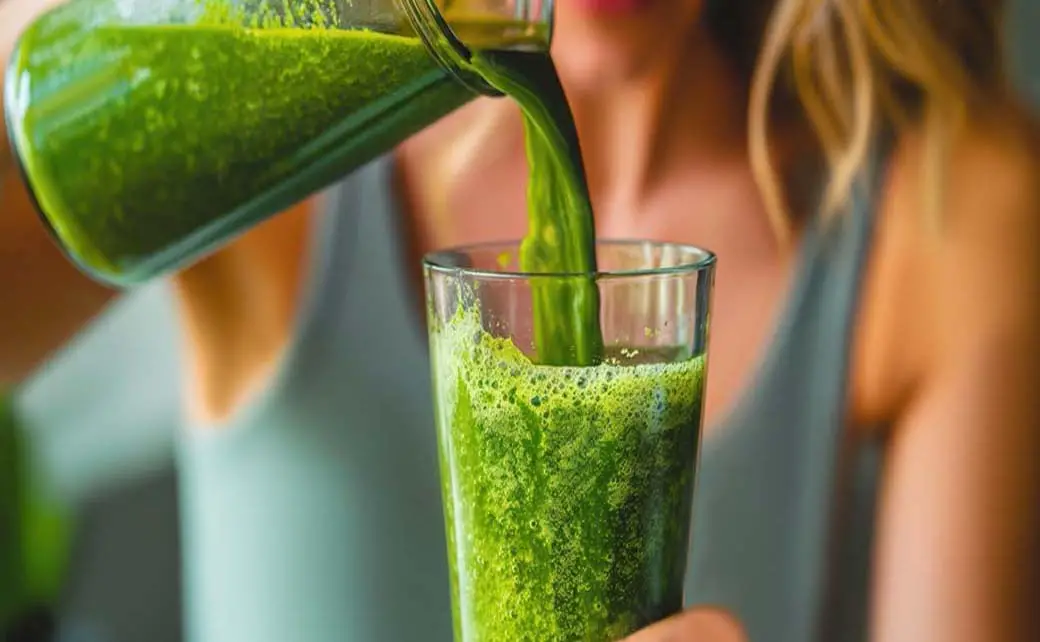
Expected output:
{"points": [[899, 309]]}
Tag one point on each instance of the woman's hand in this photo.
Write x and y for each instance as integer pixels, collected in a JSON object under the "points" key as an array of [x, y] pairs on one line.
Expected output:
{"points": [[45, 299], [695, 625]]}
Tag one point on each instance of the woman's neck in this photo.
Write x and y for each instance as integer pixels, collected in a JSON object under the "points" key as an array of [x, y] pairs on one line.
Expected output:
{"points": [[636, 131]]}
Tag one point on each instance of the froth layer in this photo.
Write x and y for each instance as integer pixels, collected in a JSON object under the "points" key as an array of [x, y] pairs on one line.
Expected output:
{"points": [[491, 365]]}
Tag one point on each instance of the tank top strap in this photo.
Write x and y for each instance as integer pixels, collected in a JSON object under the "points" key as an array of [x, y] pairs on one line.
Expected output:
{"points": [[353, 232], [839, 474], [766, 519]]}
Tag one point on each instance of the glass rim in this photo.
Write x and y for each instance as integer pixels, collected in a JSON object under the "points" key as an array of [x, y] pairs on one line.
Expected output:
{"points": [[436, 262]]}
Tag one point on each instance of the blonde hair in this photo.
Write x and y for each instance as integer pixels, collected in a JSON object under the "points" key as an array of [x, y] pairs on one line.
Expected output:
{"points": [[849, 70]]}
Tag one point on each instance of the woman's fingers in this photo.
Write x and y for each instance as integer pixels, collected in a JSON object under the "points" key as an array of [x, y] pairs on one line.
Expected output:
{"points": [[695, 625]]}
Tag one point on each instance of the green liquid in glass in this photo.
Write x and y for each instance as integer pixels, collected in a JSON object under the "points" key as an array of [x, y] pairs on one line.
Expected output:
{"points": [[186, 124], [567, 490], [567, 481]]}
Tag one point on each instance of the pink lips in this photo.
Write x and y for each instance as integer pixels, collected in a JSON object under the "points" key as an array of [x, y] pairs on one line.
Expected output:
{"points": [[612, 6]]}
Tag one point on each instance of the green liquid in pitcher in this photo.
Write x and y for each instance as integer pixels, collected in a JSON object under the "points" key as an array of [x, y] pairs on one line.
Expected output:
{"points": [[188, 123], [142, 139]]}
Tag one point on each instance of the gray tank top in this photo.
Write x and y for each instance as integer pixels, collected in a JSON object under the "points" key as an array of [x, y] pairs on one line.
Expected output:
{"points": [[315, 516]]}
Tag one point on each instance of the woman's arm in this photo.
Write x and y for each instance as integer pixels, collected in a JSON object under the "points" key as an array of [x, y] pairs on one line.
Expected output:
{"points": [[959, 532], [43, 299]]}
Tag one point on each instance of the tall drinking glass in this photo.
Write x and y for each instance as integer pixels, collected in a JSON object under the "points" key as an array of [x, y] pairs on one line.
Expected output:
{"points": [[568, 490]]}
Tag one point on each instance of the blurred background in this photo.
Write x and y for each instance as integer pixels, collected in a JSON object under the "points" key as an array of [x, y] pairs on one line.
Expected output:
{"points": [[119, 567]]}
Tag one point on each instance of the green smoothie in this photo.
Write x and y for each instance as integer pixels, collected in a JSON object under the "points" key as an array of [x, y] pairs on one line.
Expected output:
{"points": [[567, 490], [561, 234], [184, 124]]}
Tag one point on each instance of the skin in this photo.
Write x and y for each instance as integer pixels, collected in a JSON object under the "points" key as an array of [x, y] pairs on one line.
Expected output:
{"points": [[52, 297], [664, 140]]}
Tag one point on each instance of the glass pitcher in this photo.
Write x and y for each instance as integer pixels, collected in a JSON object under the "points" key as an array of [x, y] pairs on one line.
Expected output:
{"points": [[150, 132]]}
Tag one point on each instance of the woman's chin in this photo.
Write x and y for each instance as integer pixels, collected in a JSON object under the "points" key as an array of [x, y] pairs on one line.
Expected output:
{"points": [[589, 60], [609, 9], [602, 42]]}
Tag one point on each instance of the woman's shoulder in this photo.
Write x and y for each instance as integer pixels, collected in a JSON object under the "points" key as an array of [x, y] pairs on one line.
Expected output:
{"points": [[1002, 139], [985, 182], [961, 268]]}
